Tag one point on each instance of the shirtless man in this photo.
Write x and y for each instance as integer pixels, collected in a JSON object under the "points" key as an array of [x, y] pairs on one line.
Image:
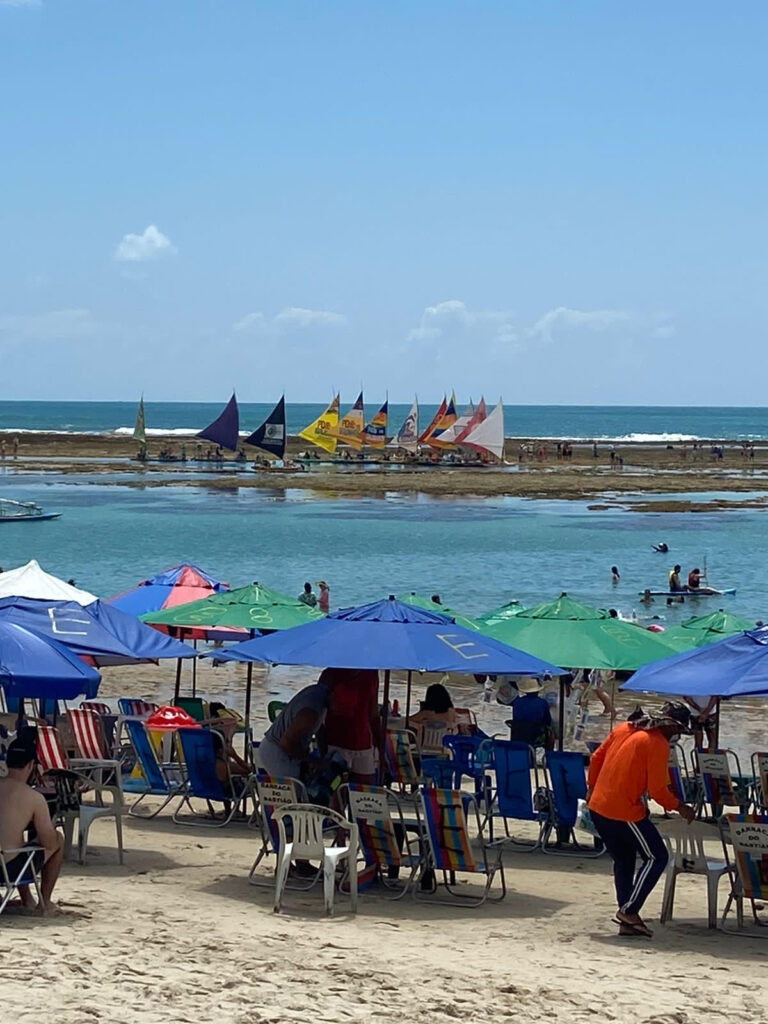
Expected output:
{"points": [[20, 808]]}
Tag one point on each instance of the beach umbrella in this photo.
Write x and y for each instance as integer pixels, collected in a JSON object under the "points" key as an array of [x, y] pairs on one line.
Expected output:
{"points": [[505, 611], [575, 634], [33, 665], [705, 629], [35, 583], [181, 584], [255, 607], [169, 717], [388, 635], [420, 601], [734, 667]]}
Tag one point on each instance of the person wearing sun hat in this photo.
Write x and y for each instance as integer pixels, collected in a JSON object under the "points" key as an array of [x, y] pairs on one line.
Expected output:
{"points": [[531, 716], [630, 764], [324, 600]]}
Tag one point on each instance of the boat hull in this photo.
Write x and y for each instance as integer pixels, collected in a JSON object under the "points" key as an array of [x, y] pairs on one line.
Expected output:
{"points": [[29, 519]]}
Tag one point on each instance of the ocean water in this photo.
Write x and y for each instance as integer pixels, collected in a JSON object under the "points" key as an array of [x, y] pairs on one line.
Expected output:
{"points": [[638, 423]]}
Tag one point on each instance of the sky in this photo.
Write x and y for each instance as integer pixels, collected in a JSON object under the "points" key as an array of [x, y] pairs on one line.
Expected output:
{"points": [[558, 201]]}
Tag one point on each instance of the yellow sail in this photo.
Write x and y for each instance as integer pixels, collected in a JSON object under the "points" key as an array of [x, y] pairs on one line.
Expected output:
{"points": [[321, 431]]}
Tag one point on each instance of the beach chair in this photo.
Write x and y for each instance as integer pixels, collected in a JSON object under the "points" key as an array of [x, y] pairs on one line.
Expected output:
{"points": [[198, 747], [745, 845], [567, 786], [88, 735], [688, 856], [306, 841], [718, 787], [134, 707], [274, 707], [513, 800], [195, 707], [471, 756], [449, 849], [385, 836], [431, 738], [129, 707], [681, 784], [400, 745], [270, 793], [466, 721], [71, 781], [95, 705], [158, 778], [17, 868], [759, 762]]}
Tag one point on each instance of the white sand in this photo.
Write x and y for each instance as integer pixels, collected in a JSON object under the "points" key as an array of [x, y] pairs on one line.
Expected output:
{"points": [[178, 935]]}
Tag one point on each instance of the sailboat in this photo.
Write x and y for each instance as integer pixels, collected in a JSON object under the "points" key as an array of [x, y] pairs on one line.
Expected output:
{"points": [[375, 433], [140, 431], [434, 421], [321, 430], [443, 426], [407, 436], [271, 435], [225, 429], [351, 424], [488, 437], [478, 416]]}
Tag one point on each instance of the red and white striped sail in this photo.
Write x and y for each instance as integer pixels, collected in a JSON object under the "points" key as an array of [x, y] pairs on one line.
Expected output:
{"points": [[488, 436]]}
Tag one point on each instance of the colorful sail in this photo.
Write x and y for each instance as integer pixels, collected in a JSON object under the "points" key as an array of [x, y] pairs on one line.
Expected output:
{"points": [[451, 433], [321, 430], [480, 414], [488, 436], [140, 430], [408, 434], [446, 421], [435, 420], [375, 433], [351, 424], [271, 435], [225, 429]]}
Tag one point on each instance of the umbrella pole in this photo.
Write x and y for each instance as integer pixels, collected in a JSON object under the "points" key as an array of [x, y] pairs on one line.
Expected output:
{"points": [[177, 687], [194, 671], [248, 684], [408, 699], [20, 715], [384, 716], [717, 724], [561, 716], [613, 702]]}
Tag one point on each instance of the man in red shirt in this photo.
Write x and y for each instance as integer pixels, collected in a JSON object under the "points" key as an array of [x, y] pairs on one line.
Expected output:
{"points": [[352, 723], [629, 766]]}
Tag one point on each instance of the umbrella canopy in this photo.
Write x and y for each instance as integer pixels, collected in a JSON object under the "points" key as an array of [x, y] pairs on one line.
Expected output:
{"points": [[100, 631], [734, 667], [32, 665], [389, 635], [419, 601], [500, 614], [578, 635], [253, 607], [169, 717], [33, 582], [179, 585], [705, 629]]}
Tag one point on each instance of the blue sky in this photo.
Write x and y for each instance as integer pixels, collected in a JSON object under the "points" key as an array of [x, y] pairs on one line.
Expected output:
{"points": [[556, 201]]}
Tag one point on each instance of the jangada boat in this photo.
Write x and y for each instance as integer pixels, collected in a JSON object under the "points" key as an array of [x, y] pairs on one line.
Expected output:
{"points": [[23, 511]]}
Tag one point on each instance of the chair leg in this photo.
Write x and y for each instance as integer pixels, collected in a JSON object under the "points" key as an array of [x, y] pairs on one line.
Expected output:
{"points": [[119, 830], [668, 901], [713, 882], [329, 883], [281, 877], [352, 862]]}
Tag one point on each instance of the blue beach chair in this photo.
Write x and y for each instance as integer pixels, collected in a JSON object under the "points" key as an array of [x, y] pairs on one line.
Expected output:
{"points": [[158, 779], [517, 779], [199, 750], [567, 785]]}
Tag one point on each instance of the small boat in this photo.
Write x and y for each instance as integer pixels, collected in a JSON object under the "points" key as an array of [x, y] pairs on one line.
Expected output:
{"points": [[23, 511], [704, 592]]}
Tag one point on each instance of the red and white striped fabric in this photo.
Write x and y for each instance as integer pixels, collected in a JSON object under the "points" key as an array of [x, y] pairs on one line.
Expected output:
{"points": [[88, 735], [136, 708], [50, 752], [94, 705]]}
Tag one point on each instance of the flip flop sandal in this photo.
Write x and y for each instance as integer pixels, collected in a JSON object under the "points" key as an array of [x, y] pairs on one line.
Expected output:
{"points": [[638, 927]]}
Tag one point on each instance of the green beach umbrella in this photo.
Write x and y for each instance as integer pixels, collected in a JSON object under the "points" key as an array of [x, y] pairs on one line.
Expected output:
{"points": [[569, 633], [419, 601], [706, 629], [501, 614], [251, 607]]}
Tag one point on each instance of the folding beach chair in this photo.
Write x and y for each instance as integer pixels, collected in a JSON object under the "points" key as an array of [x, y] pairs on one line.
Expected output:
{"points": [[202, 781], [72, 781], [270, 793], [130, 707], [385, 836], [681, 784], [513, 800], [95, 705], [471, 756], [760, 785], [19, 867], [274, 707], [688, 856], [88, 735], [449, 848], [717, 786], [745, 844], [305, 840], [400, 746], [195, 707], [567, 785], [158, 778]]}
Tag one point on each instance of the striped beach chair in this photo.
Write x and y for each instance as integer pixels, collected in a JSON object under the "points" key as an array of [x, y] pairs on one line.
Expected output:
{"points": [[400, 745], [719, 785], [760, 784], [385, 839], [134, 707], [745, 844], [88, 735], [130, 707], [449, 848], [95, 705], [271, 792]]}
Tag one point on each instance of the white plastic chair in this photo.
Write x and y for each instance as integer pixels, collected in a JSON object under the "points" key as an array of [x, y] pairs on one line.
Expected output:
{"points": [[306, 843], [688, 856]]}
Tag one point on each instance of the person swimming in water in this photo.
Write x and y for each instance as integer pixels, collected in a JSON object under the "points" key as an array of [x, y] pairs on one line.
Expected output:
{"points": [[662, 547]]}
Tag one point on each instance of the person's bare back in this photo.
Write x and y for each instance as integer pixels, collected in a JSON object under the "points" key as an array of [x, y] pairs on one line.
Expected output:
{"points": [[18, 804]]}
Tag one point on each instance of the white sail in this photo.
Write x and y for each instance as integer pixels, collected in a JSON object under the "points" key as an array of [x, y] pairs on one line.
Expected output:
{"points": [[449, 436], [488, 436], [408, 434]]}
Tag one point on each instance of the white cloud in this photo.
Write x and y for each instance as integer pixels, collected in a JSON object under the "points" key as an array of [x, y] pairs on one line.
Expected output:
{"points": [[55, 325], [563, 319], [292, 316], [149, 245], [454, 316]]}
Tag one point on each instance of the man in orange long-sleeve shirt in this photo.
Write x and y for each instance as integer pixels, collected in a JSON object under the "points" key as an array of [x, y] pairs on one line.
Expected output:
{"points": [[631, 764]]}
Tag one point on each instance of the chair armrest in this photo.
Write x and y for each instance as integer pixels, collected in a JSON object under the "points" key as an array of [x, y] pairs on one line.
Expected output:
{"points": [[4, 851]]}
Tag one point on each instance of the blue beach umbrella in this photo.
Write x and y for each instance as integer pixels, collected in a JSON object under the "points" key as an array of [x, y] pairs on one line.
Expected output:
{"points": [[734, 667], [32, 665]]}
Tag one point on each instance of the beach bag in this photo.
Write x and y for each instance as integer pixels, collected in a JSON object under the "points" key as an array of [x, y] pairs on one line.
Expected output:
{"points": [[584, 818]]}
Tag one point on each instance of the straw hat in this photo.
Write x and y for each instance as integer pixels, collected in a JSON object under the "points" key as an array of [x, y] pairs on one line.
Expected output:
{"points": [[529, 684], [322, 583]]}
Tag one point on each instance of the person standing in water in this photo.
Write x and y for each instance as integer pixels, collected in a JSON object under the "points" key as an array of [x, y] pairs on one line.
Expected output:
{"points": [[324, 601]]}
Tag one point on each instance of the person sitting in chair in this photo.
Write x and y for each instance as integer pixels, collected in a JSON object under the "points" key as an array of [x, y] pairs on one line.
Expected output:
{"points": [[531, 720]]}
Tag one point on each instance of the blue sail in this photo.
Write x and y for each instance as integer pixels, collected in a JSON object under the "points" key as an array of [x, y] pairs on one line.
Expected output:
{"points": [[225, 429], [271, 435]]}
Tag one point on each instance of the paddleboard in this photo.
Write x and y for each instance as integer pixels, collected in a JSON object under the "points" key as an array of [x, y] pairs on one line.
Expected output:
{"points": [[689, 593]]}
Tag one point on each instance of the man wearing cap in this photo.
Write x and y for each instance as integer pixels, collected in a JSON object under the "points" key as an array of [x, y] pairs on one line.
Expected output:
{"points": [[22, 808], [631, 764]]}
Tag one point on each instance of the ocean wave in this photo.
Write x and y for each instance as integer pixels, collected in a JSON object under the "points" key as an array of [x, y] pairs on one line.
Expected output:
{"points": [[164, 432]]}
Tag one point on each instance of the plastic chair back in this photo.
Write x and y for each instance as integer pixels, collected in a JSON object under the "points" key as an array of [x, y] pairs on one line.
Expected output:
{"points": [[195, 707], [514, 763], [274, 708], [307, 822], [446, 828], [432, 735], [199, 749], [748, 834], [88, 734], [568, 783]]}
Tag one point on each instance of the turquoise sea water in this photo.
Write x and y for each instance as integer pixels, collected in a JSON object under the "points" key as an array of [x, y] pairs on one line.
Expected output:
{"points": [[619, 422]]}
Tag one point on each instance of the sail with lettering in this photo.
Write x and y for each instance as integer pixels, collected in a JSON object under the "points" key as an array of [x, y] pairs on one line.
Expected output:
{"points": [[321, 430], [140, 429], [225, 429], [350, 426], [434, 421], [446, 421], [477, 417], [488, 436], [408, 434], [271, 435], [375, 432]]}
